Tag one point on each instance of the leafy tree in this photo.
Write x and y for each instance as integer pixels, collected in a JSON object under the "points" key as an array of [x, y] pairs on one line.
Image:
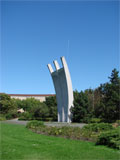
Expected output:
{"points": [[52, 106], [30, 103], [40, 112], [8, 106], [19, 103], [34, 109], [4, 96]]}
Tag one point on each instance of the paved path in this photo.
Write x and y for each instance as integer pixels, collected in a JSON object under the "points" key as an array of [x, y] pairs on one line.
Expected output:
{"points": [[65, 124], [15, 121]]}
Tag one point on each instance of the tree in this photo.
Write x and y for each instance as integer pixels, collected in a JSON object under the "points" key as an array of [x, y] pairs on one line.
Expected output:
{"points": [[109, 107], [103, 102], [115, 79], [8, 106], [4, 96], [30, 103], [52, 106], [90, 93], [19, 103], [40, 112], [80, 109]]}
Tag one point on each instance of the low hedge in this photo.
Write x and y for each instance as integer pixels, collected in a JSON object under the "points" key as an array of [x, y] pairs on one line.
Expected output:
{"points": [[97, 127], [25, 116], [28, 117], [100, 133], [34, 124], [95, 120]]}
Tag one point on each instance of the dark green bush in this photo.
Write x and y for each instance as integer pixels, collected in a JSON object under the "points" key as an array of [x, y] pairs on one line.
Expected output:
{"points": [[9, 116], [110, 138], [42, 119], [34, 124], [12, 114], [22, 118], [96, 127], [48, 119], [2, 117], [85, 120], [25, 116], [95, 120]]}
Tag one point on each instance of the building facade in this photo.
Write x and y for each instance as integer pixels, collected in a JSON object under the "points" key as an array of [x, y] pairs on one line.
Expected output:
{"points": [[40, 97]]}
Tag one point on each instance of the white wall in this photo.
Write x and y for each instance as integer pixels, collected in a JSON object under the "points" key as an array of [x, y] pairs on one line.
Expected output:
{"points": [[41, 98]]}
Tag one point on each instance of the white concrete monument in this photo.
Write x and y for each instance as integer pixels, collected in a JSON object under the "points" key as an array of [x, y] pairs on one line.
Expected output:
{"points": [[63, 88]]}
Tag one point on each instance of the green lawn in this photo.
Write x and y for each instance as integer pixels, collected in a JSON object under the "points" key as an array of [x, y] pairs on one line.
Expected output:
{"points": [[18, 143]]}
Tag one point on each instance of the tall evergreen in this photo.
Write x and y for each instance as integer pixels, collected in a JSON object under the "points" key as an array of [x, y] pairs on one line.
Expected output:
{"points": [[80, 109], [109, 107]]}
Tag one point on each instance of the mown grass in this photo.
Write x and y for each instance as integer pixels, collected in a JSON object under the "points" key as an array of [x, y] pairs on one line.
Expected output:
{"points": [[19, 143]]}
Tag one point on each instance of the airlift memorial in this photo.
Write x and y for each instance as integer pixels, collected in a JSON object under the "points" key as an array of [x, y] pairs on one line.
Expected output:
{"points": [[63, 88]]}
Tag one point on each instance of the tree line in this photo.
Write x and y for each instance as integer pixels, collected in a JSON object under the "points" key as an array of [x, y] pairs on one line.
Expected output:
{"points": [[102, 103], [34, 109]]}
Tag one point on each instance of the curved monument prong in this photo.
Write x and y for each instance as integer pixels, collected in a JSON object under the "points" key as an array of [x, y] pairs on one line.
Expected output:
{"points": [[56, 65], [50, 68], [69, 85], [63, 88]]}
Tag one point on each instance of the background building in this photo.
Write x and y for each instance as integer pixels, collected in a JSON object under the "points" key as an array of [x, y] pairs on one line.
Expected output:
{"points": [[40, 97]]}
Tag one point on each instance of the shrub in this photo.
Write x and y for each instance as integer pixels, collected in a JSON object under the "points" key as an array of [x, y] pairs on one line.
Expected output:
{"points": [[54, 131], [25, 116], [95, 120], [12, 114], [68, 132], [22, 118], [101, 133], [34, 124], [48, 119], [110, 138], [96, 127], [2, 117], [9, 116], [85, 120]]}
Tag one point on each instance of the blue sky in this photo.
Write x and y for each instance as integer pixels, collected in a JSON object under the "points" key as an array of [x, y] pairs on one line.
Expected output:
{"points": [[36, 33]]}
